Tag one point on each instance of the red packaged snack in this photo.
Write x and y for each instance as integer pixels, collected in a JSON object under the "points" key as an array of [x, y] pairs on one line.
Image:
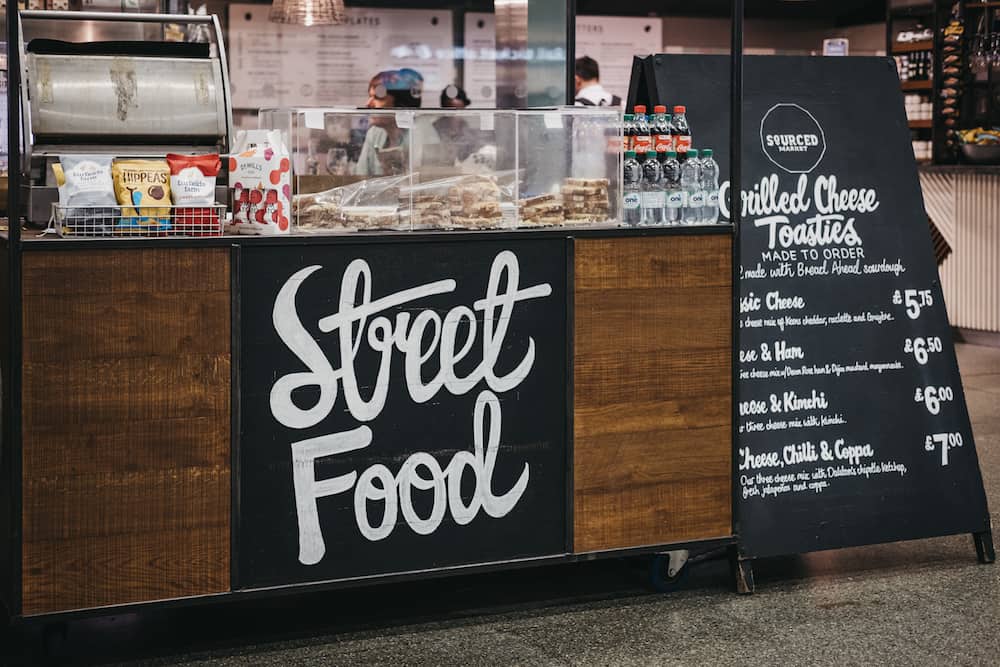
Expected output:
{"points": [[192, 185]]}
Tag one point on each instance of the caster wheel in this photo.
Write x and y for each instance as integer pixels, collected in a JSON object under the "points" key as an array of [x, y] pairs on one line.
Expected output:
{"points": [[660, 577]]}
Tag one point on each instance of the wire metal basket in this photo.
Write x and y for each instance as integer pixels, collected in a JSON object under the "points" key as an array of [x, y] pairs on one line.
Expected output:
{"points": [[144, 221]]}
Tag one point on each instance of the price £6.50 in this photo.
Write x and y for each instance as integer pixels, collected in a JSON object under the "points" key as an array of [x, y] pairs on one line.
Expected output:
{"points": [[915, 300], [945, 441], [922, 348], [933, 397]]}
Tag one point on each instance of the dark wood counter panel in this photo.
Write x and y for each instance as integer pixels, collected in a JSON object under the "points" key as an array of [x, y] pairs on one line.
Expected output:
{"points": [[653, 391], [126, 427]]}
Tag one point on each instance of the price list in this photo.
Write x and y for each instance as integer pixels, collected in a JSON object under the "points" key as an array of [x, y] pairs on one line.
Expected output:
{"points": [[852, 425]]}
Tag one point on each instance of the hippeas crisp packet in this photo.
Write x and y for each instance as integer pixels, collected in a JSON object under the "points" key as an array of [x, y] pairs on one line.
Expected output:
{"points": [[143, 190]]}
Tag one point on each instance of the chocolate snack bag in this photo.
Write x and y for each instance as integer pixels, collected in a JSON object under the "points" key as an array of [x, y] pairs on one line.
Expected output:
{"points": [[143, 190], [192, 186]]}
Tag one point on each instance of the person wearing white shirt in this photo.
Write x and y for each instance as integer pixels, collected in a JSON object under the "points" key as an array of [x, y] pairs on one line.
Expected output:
{"points": [[589, 91]]}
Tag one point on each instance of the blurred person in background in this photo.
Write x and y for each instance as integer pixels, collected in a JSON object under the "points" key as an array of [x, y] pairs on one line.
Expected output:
{"points": [[453, 97], [589, 91], [384, 146]]}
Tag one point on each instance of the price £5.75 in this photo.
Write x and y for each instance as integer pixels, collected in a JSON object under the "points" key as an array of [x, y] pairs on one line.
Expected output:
{"points": [[915, 300]]}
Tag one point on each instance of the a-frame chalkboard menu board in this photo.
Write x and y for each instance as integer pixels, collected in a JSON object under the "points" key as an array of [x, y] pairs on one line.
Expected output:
{"points": [[853, 427]]}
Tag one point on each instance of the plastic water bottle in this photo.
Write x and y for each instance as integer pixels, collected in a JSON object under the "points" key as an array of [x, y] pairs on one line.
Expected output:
{"points": [[691, 185], [673, 193], [652, 190], [710, 184], [632, 186]]}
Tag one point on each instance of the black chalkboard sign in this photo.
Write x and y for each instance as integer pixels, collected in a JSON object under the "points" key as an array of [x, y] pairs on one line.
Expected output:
{"points": [[403, 407], [853, 427]]}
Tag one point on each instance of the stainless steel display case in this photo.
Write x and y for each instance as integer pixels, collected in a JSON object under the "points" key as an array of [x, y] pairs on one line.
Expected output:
{"points": [[115, 103]]}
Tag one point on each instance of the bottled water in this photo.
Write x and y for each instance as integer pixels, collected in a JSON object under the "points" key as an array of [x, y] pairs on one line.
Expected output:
{"points": [[710, 185], [694, 205], [673, 193], [652, 190], [631, 201]]}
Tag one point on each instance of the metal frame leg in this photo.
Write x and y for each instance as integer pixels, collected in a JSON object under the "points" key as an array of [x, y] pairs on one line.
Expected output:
{"points": [[742, 572], [985, 551]]}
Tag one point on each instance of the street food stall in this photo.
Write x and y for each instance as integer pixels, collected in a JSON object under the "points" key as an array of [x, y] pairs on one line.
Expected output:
{"points": [[445, 354]]}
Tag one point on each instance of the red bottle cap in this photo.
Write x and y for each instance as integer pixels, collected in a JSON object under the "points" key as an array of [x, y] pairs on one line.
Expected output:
{"points": [[659, 108], [680, 109], [640, 108]]}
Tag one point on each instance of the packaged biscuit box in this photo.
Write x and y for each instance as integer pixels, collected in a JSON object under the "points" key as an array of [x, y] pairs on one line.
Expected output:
{"points": [[143, 191], [260, 177]]}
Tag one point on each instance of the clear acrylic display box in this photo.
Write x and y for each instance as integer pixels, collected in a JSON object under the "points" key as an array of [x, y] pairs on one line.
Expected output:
{"points": [[420, 169]]}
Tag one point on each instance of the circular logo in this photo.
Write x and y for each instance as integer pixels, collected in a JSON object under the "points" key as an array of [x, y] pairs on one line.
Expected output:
{"points": [[792, 138]]}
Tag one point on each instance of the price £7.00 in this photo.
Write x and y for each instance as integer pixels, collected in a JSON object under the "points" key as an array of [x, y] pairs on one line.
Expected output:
{"points": [[914, 299], [944, 440], [933, 397], [922, 348]]}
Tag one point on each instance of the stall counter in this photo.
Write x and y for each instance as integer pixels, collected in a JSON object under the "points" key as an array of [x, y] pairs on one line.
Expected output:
{"points": [[152, 464]]}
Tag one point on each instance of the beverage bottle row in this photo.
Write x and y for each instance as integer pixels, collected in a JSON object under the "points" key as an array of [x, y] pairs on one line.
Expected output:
{"points": [[661, 132], [660, 189]]}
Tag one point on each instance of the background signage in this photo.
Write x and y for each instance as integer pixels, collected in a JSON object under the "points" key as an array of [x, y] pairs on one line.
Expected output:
{"points": [[853, 427], [403, 407], [274, 65]]}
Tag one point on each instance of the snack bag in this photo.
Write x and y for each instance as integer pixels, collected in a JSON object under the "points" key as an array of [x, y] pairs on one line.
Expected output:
{"points": [[260, 176], [86, 193], [192, 186], [143, 189]]}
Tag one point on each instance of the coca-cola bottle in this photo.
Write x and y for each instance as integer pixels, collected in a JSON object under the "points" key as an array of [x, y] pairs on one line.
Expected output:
{"points": [[681, 130], [642, 141], [660, 127]]}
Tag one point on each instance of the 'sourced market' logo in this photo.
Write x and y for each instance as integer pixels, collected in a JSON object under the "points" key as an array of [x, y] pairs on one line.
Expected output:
{"points": [[792, 138]]}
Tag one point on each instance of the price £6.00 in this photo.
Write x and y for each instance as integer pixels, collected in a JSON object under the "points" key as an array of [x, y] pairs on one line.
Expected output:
{"points": [[933, 397]]}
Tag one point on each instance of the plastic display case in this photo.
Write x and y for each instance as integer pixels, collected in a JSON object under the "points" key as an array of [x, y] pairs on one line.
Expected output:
{"points": [[410, 169]]}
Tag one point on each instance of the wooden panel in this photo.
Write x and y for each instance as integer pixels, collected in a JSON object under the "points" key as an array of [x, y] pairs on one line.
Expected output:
{"points": [[126, 442], [652, 423]]}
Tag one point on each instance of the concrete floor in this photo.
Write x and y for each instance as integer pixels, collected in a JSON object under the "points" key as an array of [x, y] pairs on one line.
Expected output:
{"points": [[925, 602]]}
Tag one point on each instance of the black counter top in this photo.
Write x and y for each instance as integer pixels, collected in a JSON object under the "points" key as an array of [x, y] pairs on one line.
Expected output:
{"points": [[33, 239]]}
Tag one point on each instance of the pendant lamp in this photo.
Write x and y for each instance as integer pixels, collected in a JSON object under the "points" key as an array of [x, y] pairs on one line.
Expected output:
{"points": [[308, 12]]}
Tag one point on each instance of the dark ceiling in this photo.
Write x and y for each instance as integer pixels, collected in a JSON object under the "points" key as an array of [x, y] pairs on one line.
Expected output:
{"points": [[839, 12], [835, 12]]}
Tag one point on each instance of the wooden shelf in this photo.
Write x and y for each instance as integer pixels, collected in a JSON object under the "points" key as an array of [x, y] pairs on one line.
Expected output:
{"points": [[921, 124], [917, 85], [980, 5], [926, 45]]}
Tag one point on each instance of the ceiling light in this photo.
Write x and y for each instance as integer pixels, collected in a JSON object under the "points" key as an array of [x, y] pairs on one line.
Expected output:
{"points": [[308, 12]]}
